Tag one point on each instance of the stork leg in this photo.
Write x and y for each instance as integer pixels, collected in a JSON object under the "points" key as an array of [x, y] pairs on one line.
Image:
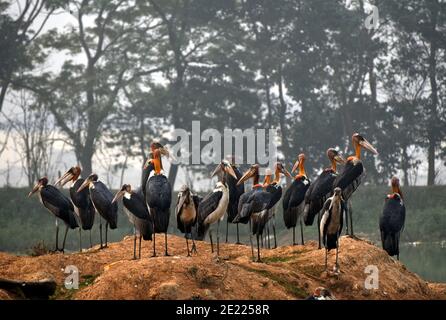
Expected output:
{"points": [[346, 220], [187, 244], [302, 232], [267, 234], [194, 247], [139, 254], [319, 229], [154, 238], [258, 248], [100, 232], [210, 238], [57, 236], [261, 239], [64, 239], [91, 243], [106, 231], [165, 245], [294, 235], [134, 243], [274, 231], [250, 240], [218, 238], [227, 226], [238, 236], [351, 218]]}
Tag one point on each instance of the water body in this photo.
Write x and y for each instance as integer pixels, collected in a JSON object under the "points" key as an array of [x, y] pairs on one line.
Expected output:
{"points": [[426, 259]]}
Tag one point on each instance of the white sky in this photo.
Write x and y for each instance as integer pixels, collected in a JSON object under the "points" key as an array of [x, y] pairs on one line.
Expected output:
{"points": [[11, 159]]}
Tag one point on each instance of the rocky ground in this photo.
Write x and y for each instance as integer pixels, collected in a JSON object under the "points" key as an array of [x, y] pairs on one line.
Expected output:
{"points": [[289, 272]]}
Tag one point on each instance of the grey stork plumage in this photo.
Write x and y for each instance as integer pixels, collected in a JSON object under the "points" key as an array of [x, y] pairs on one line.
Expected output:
{"points": [[186, 212], [83, 207], [331, 224], [102, 198], [320, 190], [58, 204], [293, 200], [350, 177], [137, 213]]}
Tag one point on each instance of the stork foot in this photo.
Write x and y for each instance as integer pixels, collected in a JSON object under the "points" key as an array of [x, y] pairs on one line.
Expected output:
{"points": [[194, 249], [238, 242]]}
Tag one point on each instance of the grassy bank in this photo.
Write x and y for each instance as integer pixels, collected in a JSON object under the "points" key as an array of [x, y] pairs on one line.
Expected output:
{"points": [[24, 222]]}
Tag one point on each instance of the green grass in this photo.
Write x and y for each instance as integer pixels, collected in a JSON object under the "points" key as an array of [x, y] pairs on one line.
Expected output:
{"points": [[63, 293], [283, 282]]}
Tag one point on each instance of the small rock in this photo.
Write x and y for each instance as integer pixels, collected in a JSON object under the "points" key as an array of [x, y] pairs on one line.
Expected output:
{"points": [[166, 291]]}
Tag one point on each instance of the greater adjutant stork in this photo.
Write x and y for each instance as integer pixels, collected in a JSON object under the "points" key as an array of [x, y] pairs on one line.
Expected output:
{"points": [[158, 193], [391, 222], [274, 188], [83, 206], [293, 200], [235, 191], [214, 205], [254, 205], [58, 204], [137, 213], [350, 177], [331, 224], [102, 199], [320, 190], [186, 212]]}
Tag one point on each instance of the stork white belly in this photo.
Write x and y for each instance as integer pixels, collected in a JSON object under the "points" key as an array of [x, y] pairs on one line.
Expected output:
{"points": [[219, 212]]}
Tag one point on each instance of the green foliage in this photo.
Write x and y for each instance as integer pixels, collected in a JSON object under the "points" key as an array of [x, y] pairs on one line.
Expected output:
{"points": [[24, 222]]}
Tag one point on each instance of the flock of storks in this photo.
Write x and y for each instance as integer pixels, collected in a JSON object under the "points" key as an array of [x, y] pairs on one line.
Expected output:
{"points": [[148, 208]]}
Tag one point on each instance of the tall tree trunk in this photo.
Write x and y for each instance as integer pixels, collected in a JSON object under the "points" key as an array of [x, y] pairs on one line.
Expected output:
{"points": [[405, 165], [286, 148], [432, 114]]}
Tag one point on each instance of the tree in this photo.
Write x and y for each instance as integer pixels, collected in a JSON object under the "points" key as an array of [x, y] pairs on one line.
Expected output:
{"points": [[17, 36]]}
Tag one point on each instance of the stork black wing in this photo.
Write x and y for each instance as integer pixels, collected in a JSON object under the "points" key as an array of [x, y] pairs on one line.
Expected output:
{"points": [[102, 200], [197, 200], [349, 179], [137, 206], [158, 192], [317, 194], [59, 205], [208, 205]]}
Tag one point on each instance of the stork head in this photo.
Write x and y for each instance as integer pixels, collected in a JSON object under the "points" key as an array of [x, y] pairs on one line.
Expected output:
{"points": [[334, 155], [42, 182], [280, 168], [71, 175], [337, 191], [90, 179], [253, 171], [360, 142], [224, 166], [395, 183], [126, 188]]}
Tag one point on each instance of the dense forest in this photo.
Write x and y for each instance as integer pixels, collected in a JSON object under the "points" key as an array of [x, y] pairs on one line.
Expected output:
{"points": [[109, 76]]}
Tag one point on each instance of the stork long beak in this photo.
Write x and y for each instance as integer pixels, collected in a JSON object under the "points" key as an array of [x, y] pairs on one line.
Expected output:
{"points": [[64, 179], [248, 174], [295, 166], [229, 170], [364, 143], [181, 201], [217, 170], [339, 159], [285, 172], [118, 195], [83, 185], [34, 190]]}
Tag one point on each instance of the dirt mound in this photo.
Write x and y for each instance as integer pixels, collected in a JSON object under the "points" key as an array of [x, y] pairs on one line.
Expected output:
{"points": [[289, 272]]}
